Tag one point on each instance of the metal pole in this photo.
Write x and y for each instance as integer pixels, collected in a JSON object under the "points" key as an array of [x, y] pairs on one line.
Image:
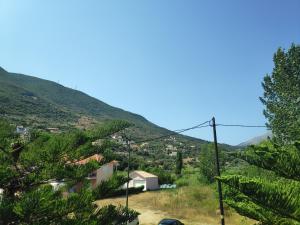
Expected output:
{"points": [[218, 172], [128, 167]]}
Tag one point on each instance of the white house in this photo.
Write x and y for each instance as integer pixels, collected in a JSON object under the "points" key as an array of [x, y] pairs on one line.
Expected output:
{"points": [[142, 178], [1, 194], [96, 177], [21, 130], [56, 184], [101, 174]]}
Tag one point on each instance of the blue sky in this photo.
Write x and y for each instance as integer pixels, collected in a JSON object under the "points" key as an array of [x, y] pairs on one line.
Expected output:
{"points": [[177, 63]]}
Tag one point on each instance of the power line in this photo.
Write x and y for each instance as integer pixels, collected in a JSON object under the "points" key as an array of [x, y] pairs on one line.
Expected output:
{"points": [[176, 132], [194, 127], [241, 125], [201, 125]]}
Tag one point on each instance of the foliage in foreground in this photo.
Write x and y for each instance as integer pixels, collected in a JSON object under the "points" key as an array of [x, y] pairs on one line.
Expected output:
{"points": [[112, 187], [275, 199], [27, 167], [270, 201]]}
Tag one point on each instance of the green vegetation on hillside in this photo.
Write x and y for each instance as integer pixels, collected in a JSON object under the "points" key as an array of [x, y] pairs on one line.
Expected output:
{"points": [[38, 103], [25, 96], [41, 104]]}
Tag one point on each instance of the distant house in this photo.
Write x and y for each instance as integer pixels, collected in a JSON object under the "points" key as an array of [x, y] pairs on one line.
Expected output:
{"points": [[1, 193], [56, 184], [102, 174], [142, 178], [187, 160], [21, 130], [171, 148], [53, 130], [173, 154]]}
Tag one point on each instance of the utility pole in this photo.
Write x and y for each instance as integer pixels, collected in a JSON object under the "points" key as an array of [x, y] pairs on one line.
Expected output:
{"points": [[128, 169], [218, 172], [128, 148]]}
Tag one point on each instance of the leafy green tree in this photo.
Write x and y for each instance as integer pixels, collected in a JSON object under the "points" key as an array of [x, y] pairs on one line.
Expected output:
{"points": [[207, 163], [163, 176], [179, 163], [27, 167], [282, 95]]}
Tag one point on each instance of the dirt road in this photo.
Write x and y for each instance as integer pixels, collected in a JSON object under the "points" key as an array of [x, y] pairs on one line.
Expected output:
{"points": [[150, 215]]}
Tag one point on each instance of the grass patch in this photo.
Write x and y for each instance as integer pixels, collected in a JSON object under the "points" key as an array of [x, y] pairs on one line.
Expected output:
{"points": [[195, 203], [193, 199]]}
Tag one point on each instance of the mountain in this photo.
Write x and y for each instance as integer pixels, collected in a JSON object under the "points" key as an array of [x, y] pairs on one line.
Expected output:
{"points": [[39, 103], [256, 140]]}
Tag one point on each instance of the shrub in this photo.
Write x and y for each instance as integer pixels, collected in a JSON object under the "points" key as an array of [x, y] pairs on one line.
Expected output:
{"points": [[182, 183]]}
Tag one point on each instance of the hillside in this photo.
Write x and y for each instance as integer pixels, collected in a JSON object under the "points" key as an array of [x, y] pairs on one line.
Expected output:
{"points": [[52, 103], [40, 103]]}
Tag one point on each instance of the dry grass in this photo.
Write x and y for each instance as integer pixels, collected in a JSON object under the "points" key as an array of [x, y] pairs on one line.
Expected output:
{"points": [[194, 204], [191, 204], [194, 207]]}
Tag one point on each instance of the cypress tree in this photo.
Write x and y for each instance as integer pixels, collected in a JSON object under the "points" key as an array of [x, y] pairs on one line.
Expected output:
{"points": [[179, 163]]}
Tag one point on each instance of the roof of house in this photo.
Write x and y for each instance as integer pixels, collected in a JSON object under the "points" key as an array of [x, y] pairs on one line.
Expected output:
{"points": [[96, 157], [143, 174], [115, 162]]}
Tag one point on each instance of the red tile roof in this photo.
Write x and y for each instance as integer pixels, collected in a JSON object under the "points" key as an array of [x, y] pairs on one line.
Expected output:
{"points": [[96, 157]]}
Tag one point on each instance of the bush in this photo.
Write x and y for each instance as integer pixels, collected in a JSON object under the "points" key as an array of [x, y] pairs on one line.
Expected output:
{"points": [[132, 190], [182, 183], [107, 188], [163, 176]]}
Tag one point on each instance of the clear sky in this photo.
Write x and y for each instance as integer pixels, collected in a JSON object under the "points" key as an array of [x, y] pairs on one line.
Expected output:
{"points": [[176, 62]]}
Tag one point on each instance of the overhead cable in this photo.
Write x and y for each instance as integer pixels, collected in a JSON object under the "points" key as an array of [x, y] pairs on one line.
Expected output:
{"points": [[176, 132], [240, 125]]}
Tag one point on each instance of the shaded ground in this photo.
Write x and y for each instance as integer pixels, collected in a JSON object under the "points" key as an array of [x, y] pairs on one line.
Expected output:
{"points": [[149, 205]]}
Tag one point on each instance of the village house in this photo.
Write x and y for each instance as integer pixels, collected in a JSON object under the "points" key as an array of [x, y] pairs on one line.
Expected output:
{"points": [[54, 130], [21, 130], [102, 174], [142, 178], [173, 154]]}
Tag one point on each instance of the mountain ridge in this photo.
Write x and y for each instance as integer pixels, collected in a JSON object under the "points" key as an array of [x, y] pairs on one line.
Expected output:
{"points": [[42, 103], [256, 140]]}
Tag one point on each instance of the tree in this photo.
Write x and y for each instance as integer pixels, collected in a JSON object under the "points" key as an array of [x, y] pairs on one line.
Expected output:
{"points": [[207, 163], [27, 167], [163, 176], [179, 163], [272, 200], [282, 95]]}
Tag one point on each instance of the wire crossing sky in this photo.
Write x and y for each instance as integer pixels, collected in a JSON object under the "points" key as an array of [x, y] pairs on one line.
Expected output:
{"points": [[208, 123], [174, 62]]}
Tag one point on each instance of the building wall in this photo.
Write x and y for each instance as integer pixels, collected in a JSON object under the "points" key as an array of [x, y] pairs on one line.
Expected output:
{"points": [[93, 183], [138, 182], [152, 183], [104, 172]]}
